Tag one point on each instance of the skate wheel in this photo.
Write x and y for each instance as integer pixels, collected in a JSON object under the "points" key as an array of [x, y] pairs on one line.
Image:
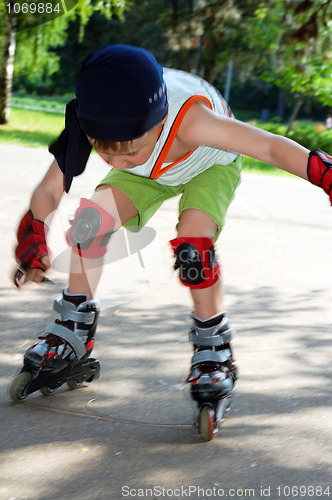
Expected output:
{"points": [[46, 391], [207, 427], [74, 384], [18, 386]]}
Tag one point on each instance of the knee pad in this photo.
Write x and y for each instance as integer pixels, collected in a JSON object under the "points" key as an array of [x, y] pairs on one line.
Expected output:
{"points": [[196, 261], [91, 230]]}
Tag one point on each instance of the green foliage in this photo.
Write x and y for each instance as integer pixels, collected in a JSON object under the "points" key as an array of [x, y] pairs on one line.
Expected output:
{"points": [[310, 135], [201, 34], [298, 37], [140, 28], [35, 58], [287, 43]]}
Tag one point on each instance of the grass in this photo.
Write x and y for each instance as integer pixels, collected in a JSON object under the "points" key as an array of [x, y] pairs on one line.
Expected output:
{"points": [[33, 128], [55, 103], [258, 167]]}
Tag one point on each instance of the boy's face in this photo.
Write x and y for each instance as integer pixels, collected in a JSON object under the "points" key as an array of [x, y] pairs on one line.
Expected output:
{"points": [[138, 152]]}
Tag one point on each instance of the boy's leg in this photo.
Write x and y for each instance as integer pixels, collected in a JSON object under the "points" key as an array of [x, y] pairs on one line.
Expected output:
{"points": [[85, 273], [213, 373], [203, 208], [71, 337], [120, 198], [195, 223]]}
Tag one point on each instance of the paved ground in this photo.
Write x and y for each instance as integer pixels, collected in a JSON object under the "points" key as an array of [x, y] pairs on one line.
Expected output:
{"points": [[107, 441]]}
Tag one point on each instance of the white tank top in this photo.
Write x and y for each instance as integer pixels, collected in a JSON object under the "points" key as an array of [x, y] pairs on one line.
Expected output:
{"points": [[183, 89]]}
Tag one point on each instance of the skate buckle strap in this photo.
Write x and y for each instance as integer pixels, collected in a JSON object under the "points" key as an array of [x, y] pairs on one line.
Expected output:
{"points": [[213, 336], [215, 340], [208, 356], [68, 312], [75, 342]]}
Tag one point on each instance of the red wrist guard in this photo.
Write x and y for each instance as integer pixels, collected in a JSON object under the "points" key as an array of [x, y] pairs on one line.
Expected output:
{"points": [[320, 170], [32, 247]]}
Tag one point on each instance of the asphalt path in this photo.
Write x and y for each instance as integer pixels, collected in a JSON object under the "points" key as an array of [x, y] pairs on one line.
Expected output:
{"points": [[130, 434]]}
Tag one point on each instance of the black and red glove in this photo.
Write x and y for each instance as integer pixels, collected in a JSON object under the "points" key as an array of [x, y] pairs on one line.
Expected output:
{"points": [[320, 170], [32, 247]]}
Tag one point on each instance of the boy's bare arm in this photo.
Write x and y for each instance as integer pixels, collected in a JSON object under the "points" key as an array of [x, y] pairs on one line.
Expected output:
{"points": [[47, 195], [32, 253], [203, 127]]}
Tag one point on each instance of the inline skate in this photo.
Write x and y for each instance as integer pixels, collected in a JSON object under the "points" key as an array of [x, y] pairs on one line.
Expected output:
{"points": [[213, 373], [62, 355]]}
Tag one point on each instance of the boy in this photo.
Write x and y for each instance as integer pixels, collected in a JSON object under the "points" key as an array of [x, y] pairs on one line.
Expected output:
{"points": [[164, 133]]}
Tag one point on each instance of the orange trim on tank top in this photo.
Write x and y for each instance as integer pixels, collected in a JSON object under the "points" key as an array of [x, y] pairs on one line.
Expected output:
{"points": [[158, 170]]}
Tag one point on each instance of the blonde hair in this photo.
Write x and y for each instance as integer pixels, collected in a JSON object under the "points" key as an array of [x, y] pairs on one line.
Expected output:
{"points": [[116, 147]]}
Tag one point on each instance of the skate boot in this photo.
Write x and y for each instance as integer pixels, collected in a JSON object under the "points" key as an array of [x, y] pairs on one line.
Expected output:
{"points": [[62, 355], [213, 372]]}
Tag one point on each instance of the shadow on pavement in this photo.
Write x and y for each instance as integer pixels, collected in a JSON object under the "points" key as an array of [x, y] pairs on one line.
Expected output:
{"points": [[145, 357]]}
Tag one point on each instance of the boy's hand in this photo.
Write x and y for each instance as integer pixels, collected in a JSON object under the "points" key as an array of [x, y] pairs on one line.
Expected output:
{"points": [[35, 275], [320, 170], [32, 252]]}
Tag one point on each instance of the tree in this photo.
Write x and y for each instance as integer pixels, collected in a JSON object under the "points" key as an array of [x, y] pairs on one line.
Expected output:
{"points": [[199, 32], [140, 28], [284, 42], [27, 42], [299, 36], [7, 68]]}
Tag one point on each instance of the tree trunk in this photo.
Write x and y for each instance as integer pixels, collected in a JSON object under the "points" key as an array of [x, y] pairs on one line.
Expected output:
{"points": [[295, 111], [200, 47], [281, 104], [7, 70], [209, 67], [228, 80]]}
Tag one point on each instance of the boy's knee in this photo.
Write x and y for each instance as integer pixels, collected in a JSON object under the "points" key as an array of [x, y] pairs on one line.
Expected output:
{"points": [[91, 230], [196, 261]]}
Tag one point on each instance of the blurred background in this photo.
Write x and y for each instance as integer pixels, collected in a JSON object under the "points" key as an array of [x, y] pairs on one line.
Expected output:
{"points": [[271, 60]]}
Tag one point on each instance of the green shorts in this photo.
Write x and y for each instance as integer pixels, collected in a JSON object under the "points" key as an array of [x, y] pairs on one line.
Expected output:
{"points": [[211, 192]]}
